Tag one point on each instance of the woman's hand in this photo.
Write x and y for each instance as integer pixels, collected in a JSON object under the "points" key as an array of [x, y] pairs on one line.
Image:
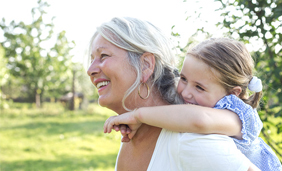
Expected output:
{"points": [[129, 118]]}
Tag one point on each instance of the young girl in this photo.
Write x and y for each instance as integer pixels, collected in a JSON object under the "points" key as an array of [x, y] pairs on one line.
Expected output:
{"points": [[215, 74]]}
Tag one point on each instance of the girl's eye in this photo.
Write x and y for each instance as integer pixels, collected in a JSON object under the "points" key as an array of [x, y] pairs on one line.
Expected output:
{"points": [[200, 88]]}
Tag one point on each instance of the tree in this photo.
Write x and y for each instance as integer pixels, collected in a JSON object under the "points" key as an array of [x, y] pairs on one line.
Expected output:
{"points": [[260, 22], [4, 75], [39, 66]]}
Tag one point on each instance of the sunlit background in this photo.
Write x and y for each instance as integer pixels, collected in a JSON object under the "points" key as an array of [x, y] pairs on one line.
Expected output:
{"points": [[50, 119], [80, 18]]}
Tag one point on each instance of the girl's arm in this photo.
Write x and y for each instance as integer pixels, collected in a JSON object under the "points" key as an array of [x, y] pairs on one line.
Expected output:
{"points": [[253, 167], [181, 118], [192, 118]]}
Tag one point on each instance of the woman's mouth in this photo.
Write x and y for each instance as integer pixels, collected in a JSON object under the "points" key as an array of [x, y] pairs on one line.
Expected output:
{"points": [[102, 84]]}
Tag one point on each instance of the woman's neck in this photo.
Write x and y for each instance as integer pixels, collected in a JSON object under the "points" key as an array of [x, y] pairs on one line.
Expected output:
{"points": [[145, 131], [141, 147], [136, 102]]}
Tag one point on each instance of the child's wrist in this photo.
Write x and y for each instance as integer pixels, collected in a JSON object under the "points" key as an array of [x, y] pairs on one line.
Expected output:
{"points": [[137, 114]]}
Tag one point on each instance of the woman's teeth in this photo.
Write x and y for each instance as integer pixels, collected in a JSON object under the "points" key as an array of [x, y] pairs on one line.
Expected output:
{"points": [[103, 83]]}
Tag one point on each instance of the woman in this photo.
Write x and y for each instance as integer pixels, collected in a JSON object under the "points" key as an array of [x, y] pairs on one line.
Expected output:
{"points": [[132, 66]]}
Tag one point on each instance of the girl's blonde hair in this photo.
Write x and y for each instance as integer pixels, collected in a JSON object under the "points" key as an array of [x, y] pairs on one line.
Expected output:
{"points": [[137, 37], [232, 62]]}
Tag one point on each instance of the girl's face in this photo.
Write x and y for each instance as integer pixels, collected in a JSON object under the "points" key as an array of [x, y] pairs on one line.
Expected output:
{"points": [[197, 85], [110, 72]]}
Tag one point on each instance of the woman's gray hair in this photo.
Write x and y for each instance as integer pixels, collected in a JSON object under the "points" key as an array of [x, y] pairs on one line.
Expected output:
{"points": [[137, 37]]}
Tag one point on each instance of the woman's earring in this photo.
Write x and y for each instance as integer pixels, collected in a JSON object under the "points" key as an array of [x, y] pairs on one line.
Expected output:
{"points": [[148, 91]]}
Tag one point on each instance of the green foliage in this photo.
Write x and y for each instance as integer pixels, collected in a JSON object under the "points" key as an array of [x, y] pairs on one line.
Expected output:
{"points": [[4, 75], [51, 138], [182, 50], [3, 70], [260, 22], [83, 83], [35, 65]]}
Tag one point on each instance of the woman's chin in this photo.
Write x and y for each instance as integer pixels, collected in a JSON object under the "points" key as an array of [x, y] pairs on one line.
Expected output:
{"points": [[101, 102], [104, 102]]}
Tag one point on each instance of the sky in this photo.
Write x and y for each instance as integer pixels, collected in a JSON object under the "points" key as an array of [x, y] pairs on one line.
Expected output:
{"points": [[80, 18]]}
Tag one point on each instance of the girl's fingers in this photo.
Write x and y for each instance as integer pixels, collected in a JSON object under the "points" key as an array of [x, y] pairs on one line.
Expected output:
{"points": [[123, 129], [125, 138], [108, 126], [116, 127], [131, 134], [128, 130]]}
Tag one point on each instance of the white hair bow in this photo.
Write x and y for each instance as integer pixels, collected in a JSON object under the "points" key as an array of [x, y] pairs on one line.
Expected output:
{"points": [[255, 84]]}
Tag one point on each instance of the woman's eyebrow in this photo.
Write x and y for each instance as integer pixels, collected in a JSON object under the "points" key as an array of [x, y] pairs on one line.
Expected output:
{"points": [[99, 49]]}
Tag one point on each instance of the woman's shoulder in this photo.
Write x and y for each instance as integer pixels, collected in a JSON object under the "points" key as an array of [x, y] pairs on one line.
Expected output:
{"points": [[179, 137], [198, 148], [203, 144]]}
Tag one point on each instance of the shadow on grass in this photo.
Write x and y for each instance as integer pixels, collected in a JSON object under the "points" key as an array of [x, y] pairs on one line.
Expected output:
{"points": [[63, 163]]}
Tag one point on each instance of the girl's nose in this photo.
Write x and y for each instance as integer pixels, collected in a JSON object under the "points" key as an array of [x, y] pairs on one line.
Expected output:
{"points": [[186, 94], [94, 68]]}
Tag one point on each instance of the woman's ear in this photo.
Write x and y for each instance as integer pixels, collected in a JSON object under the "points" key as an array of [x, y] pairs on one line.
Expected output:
{"points": [[236, 91], [147, 65]]}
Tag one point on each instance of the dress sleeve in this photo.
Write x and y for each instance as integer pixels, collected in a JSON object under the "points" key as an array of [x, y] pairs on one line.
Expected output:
{"points": [[211, 152], [251, 123]]}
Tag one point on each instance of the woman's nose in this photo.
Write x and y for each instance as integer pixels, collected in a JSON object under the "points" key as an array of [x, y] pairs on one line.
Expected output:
{"points": [[94, 68]]}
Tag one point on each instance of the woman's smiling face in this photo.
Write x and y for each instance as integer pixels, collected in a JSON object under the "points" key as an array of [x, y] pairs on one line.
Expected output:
{"points": [[110, 72]]}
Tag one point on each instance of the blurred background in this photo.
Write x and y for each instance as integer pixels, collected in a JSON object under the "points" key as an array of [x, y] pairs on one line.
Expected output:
{"points": [[50, 119]]}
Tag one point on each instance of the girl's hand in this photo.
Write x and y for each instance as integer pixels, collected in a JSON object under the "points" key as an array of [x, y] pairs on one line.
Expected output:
{"points": [[129, 118], [124, 130]]}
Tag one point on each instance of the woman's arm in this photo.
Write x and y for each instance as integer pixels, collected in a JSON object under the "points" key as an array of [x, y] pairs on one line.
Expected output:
{"points": [[181, 118]]}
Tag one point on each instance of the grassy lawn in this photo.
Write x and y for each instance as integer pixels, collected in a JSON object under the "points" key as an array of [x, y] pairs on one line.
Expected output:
{"points": [[54, 139]]}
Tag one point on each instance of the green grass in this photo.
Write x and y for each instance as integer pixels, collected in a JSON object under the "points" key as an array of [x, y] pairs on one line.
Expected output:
{"points": [[51, 139]]}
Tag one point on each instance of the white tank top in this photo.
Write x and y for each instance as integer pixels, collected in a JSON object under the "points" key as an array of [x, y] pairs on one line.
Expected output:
{"points": [[196, 152]]}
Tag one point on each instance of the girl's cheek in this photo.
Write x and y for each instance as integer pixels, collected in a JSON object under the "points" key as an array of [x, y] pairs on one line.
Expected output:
{"points": [[179, 88]]}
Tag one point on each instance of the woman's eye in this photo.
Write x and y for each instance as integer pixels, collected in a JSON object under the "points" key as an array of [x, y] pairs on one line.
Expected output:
{"points": [[104, 55], [183, 78], [200, 88]]}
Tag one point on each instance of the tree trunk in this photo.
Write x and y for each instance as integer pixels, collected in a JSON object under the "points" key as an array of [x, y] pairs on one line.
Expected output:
{"points": [[37, 99], [73, 92]]}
